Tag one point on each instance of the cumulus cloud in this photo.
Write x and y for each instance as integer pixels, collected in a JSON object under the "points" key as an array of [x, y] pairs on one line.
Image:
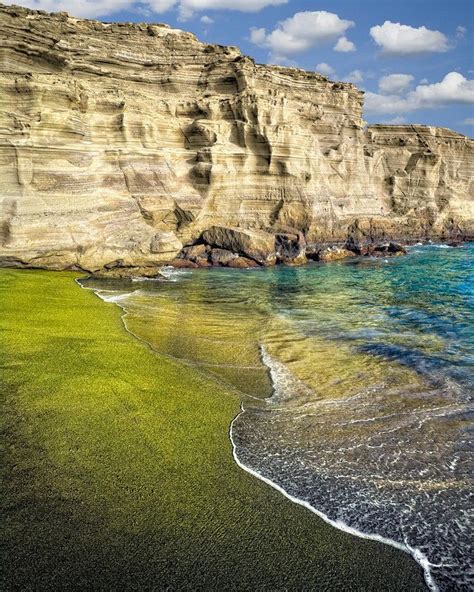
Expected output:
{"points": [[397, 39], [356, 76], [206, 20], [395, 83], [344, 45], [101, 8], [325, 69], [301, 32], [454, 88], [460, 32], [258, 36]]}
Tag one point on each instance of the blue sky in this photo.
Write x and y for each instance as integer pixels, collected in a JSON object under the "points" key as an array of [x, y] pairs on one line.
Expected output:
{"points": [[414, 58]]}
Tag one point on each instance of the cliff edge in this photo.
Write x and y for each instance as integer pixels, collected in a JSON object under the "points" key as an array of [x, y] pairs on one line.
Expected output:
{"points": [[122, 143]]}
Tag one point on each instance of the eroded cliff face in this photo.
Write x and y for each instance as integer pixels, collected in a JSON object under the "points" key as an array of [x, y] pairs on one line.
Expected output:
{"points": [[120, 143]]}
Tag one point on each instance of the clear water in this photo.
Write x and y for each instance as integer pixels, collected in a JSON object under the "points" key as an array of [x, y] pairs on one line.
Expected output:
{"points": [[356, 380]]}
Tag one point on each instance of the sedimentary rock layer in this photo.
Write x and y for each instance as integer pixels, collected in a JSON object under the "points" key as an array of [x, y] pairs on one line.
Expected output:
{"points": [[120, 143]]}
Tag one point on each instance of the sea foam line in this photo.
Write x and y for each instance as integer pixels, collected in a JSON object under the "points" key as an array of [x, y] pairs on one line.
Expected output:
{"points": [[417, 555]]}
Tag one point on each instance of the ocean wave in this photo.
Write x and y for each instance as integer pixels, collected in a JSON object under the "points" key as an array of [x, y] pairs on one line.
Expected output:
{"points": [[383, 486], [419, 557], [172, 274]]}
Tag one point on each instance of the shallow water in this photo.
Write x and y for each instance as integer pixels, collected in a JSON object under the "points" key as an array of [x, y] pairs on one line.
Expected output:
{"points": [[356, 381]]}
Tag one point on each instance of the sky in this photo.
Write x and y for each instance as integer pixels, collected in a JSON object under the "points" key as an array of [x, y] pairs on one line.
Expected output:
{"points": [[413, 58]]}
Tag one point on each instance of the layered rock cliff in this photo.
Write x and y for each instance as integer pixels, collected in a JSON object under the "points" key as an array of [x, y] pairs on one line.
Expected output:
{"points": [[120, 143]]}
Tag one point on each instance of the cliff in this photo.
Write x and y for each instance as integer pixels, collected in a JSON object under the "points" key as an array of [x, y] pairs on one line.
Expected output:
{"points": [[120, 143]]}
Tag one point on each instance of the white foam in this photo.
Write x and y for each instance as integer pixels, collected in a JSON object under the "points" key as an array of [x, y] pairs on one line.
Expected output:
{"points": [[285, 385], [114, 297], [281, 378], [146, 279], [171, 273], [419, 557]]}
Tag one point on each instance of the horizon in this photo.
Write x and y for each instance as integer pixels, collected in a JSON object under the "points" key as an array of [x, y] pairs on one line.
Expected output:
{"points": [[414, 68]]}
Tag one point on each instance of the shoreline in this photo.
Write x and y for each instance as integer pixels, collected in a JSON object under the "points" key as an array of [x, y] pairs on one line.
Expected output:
{"points": [[134, 477], [417, 555], [145, 271]]}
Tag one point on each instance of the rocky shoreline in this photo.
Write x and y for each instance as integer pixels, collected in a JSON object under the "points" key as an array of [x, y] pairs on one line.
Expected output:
{"points": [[238, 248]]}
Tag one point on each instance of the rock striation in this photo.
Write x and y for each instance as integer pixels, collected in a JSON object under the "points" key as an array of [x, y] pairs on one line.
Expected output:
{"points": [[120, 144]]}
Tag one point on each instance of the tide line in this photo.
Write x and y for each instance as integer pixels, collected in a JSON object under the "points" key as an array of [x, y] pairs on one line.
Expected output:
{"points": [[417, 555]]}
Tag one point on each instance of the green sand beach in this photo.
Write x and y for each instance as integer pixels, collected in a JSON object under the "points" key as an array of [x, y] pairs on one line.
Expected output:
{"points": [[118, 471]]}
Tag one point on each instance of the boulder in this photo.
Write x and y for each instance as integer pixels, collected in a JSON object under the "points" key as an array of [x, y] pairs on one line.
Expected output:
{"points": [[387, 250], [242, 263], [290, 247], [222, 256], [254, 244], [128, 272], [334, 254], [396, 249], [194, 252], [183, 264]]}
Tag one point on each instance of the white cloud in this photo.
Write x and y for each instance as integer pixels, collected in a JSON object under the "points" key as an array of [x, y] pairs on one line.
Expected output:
{"points": [[102, 8], [356, 76], [396, 120], [187, 8], [206, 20], [159, 5], [258, 36], [460, 32], [301, 32], [344, 45], [397, 39], [469, 121], [454, 88], [242, 5], [280, 60], [395, 83], [325, 69], [424, 81]]}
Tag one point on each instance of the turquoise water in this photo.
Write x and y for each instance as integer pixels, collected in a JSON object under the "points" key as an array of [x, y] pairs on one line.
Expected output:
{"points": [[356, 382]]}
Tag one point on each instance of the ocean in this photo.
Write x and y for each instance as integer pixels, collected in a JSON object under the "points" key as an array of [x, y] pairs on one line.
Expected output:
{"points": [[356, 385]]}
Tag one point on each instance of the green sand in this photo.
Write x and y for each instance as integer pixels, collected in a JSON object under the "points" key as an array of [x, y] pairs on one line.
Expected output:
{"points": [[118, 470]]}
